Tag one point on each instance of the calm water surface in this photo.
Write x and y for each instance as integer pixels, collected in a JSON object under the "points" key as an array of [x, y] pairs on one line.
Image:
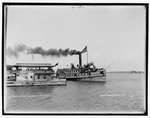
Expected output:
{"points": [[123, 92]]}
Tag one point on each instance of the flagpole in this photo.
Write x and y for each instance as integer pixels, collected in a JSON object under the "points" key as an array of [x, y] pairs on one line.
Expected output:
{"points": [[87, 56]]}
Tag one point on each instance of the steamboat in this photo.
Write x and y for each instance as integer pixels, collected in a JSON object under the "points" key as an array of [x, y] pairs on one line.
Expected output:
{"points": [[87, 72], [33, 74]]}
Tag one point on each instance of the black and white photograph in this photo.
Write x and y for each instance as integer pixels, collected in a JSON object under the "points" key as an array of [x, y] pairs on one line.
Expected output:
{"points": [[75, 58]]}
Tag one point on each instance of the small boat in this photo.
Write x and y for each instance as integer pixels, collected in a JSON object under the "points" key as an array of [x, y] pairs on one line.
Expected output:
{"points": [[27, 74]]}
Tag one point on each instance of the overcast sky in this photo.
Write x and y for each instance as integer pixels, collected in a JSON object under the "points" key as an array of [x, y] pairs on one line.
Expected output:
{"points": [[113, 34]]}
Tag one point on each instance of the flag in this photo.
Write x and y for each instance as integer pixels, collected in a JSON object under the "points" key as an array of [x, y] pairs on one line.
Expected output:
{"points": [[84, 50]]}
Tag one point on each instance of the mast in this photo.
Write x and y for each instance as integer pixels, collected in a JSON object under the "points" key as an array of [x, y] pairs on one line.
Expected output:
{"points": [[87, 56]]}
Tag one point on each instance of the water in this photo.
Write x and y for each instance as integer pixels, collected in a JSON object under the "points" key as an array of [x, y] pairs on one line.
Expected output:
{"points": [[123, 92]]}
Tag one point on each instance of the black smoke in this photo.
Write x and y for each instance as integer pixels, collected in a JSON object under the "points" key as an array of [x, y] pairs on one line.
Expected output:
{"points": [[16, 50], [39, 50], [52, 52]]}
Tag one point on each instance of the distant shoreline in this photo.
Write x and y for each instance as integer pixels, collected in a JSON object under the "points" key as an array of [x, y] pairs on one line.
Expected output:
{"points": [[125, 72]]}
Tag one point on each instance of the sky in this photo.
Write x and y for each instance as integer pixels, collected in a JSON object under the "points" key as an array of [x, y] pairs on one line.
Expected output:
{"points": [[114, 35]]}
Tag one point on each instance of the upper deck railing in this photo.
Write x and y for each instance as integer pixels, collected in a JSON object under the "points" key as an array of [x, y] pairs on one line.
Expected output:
{"points": [[33, 65]]}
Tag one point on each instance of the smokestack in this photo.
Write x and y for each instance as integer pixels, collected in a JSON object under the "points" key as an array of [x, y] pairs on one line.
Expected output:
{"points": [[80, 59]]}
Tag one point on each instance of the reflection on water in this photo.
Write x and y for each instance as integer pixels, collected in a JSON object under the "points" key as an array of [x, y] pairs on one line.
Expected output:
{"points": [[30, 90], [122, 92]]}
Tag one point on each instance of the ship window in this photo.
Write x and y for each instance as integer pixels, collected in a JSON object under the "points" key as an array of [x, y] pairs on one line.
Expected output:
{"points": [[44, 77], [38, 76], [101, 72]]}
